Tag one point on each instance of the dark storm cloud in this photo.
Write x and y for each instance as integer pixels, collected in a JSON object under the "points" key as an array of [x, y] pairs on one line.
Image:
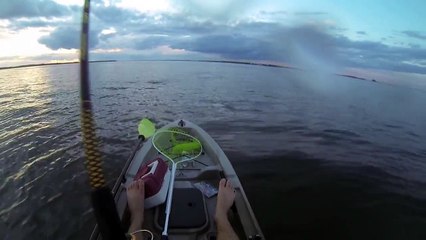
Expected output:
{"points": [[415, 34], [67, 37], [114, 15], [228, 46], [10, 9], [305, 45], [173, 24], [261, 41], [151, 42]]}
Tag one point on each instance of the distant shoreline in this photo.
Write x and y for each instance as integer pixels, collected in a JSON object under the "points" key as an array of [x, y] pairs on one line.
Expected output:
{"points": [[166, 60], [233, 62], [49, 64], [184, 60]]}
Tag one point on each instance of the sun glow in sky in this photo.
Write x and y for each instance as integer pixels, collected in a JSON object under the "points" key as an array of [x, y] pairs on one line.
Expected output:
{"points": [[20, 43], [374, 35]]}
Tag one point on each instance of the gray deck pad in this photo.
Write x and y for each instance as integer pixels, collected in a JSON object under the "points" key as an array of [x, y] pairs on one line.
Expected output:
{"points": [[188, 209]]}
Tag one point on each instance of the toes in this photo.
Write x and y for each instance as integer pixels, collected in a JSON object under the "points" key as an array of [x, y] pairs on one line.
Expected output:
{"points": [[222, 182], [138, 184], [141, 184], [228, 184], [132, 186]]}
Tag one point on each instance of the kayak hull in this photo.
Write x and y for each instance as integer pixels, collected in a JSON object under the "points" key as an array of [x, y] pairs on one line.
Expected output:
{"points": [[192, 212]]}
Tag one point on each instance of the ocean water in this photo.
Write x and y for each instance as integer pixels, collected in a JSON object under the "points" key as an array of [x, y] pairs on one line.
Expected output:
{"points": [[320, 156]]}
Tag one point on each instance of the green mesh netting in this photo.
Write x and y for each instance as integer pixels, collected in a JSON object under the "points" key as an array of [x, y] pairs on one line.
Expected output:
{"points": [[177, 145]]}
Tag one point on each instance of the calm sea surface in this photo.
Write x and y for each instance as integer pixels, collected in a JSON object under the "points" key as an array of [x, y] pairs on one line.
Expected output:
{"points": [[320, 156]]}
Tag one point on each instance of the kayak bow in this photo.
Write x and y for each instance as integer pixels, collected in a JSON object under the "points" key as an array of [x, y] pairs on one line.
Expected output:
{"points": [[195, 184]]}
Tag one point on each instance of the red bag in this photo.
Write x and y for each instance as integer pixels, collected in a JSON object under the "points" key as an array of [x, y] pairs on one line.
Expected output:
{"points": [[153, 175]]}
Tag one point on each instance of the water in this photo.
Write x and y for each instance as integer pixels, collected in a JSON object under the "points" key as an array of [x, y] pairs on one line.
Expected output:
{"points": [[320, 156]]}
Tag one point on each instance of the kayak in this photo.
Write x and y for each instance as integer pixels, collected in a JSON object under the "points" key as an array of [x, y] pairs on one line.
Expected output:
{"points": [[194, 194]]}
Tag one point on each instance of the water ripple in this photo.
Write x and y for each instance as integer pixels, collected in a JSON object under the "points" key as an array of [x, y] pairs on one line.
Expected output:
{"points": [[359, 163]]}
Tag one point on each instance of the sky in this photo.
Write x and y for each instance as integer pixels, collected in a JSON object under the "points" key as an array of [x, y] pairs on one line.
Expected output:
{"points": [[381, 38]]}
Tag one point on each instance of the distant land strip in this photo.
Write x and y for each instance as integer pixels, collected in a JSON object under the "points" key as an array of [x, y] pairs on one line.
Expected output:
{"points": [[48, 64], [185, 60]]}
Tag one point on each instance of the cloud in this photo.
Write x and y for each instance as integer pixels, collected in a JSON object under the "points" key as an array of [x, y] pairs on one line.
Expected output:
{"points": [[307, 13], [273, 13], [151, 42], [371, 54], [312, 46], [220, 11], [361, 33], [306, 46], [38, 22], [414, 45], [228, 46], [114, 15], [415, 34], [31, 8], [68, 37]]}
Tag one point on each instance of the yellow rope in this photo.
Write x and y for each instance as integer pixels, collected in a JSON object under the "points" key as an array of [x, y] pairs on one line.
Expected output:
{"points": [[93, 157], [91, 145]]}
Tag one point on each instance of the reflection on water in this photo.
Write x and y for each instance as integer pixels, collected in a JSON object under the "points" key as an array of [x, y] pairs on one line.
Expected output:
{"points": [[330, 151], [40, 137], [25, 100]]}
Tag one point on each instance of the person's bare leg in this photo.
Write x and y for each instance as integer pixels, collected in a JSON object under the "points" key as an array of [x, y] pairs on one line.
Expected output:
{"points": [[135, 200], [225, 199]]}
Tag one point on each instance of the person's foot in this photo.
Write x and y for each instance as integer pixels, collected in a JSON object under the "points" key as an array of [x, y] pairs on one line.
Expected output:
{"points": [[225, 199], [135, 200]]}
